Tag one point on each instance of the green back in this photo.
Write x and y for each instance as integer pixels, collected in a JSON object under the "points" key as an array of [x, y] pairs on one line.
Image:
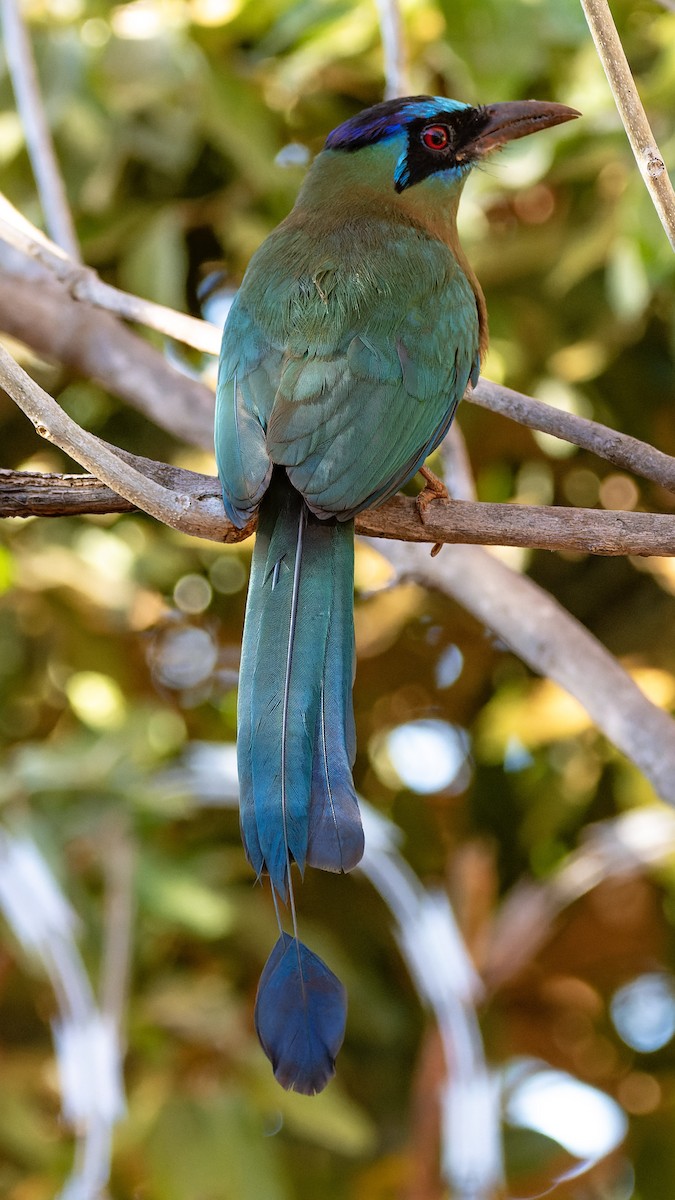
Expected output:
{"points": [[348, 347]]}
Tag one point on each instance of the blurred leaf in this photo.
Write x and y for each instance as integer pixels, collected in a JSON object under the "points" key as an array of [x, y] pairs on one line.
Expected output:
{"points": [[331, 1119], [180, 898], [532, 1160], [6, 569], [155, 264], [213, 1147]]}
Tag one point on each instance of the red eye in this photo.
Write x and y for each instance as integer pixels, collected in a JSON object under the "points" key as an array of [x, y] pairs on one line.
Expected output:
{"points": [[436, 137]]}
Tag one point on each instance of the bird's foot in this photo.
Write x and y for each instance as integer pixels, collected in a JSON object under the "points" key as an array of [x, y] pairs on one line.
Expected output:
{"points": [[434, 489]]}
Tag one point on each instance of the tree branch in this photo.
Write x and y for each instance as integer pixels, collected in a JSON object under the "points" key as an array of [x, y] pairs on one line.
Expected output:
{"points": [[553, 643], [21, 66], [535, 526], [393, 49], [618, 448], [97, 346], [643, 143], [136, 480], [82, 283], [39, 312], [31, 494]]}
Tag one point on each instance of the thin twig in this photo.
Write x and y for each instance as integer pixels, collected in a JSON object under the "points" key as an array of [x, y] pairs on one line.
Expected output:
{"points": [[83, 284], [21, 66], [643, 143], [393, 49], [201, 335], [38, 311], [111, 466], [618, 448]]}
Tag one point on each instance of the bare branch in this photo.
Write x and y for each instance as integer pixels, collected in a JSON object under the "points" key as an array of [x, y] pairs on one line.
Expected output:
{"points": [[98, 347], [39, 494], [40, 313], [21, 66], [83, 284], [642, 140], [459, 478], [190, 513], [618, 448], [544, 635], [191, 331], [535, 526], [25, 494], [393, 49]]}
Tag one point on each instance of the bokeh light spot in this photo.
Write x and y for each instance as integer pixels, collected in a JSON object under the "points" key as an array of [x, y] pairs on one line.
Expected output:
{"points": [[227, 575], [293, 154], [639, 1093], [535, 205], [643, 1012], [167, 731], [95, 32], [427, 755], [144, 19], [214, 12], [581, 487], [619, 492], [185, 657], [192, 594], [6, 570], [96, 700], [587, 1122], [449, 667]]}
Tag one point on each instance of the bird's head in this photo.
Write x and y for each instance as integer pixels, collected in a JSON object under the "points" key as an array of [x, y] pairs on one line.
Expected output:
{"points": [[427, 136]]}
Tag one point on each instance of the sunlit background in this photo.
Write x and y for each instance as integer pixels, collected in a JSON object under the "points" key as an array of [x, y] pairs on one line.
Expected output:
{"points": [[183, 128]]}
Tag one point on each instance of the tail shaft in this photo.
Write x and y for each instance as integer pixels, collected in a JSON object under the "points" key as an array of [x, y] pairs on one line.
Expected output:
{"points": [[295, 736]]}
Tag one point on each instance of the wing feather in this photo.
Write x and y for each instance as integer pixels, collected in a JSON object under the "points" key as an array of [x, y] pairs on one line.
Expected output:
{"points": [[346, 370]]}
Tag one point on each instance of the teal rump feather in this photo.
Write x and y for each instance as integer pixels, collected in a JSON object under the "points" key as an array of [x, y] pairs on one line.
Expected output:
{"points": [[357, 328]]}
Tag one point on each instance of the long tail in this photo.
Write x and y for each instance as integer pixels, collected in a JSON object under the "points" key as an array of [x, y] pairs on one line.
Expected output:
{"points": [[295, 751]]}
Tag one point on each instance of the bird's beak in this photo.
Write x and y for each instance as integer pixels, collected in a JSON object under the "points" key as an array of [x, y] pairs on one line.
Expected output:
{"points": [[514, 119]]}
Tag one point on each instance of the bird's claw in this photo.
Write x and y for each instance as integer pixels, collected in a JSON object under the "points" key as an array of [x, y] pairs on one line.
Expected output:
{"points": [[434, 489]]}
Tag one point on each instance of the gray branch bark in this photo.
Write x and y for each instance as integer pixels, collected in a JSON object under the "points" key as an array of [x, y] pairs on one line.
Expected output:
{"points": [[30, 494]]}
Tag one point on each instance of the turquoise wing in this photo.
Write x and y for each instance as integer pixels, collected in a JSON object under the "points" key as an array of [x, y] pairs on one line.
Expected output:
{"points": [[346, 369], [248, 377], [389, 408]]}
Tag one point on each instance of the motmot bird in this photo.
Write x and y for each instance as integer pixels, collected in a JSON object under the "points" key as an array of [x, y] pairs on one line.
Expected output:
{"points": [[358, 326]]}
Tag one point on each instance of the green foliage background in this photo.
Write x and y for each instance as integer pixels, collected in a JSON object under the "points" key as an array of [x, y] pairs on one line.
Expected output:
{"points": [[168, 116]]}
